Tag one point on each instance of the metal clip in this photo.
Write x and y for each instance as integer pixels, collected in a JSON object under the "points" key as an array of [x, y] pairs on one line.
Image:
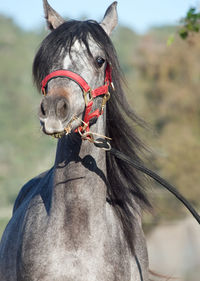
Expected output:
{"points": [[104, 101], [103, 144]]}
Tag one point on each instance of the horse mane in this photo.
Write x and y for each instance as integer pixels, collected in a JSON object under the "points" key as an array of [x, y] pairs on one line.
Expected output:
{"points": [[125, 189]]}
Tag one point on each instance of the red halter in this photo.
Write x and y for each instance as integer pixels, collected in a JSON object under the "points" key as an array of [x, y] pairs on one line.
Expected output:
{"points": [[89, 94]]}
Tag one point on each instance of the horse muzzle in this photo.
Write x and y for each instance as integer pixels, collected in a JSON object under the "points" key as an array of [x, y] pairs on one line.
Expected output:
{"points": [[54, 115]]}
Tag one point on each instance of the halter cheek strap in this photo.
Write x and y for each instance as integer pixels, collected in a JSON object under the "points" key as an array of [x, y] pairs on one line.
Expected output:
{"points": [[88, 93]]}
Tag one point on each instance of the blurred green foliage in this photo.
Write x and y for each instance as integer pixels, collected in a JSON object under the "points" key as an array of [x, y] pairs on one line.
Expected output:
{"points": [[191, 23], [163, 88]]}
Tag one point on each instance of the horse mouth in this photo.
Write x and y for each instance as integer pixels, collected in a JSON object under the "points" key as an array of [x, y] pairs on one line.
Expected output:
{"points": [[60, 129], [54, 133]]}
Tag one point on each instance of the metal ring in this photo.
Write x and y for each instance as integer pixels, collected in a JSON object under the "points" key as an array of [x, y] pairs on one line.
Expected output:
{"points": [[88, 136]]}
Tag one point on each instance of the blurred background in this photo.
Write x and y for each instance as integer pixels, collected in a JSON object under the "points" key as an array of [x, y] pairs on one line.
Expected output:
{"points": [[164, 89]]}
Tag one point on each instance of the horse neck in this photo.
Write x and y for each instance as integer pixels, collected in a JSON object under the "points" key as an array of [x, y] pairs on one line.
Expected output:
{"points": [[79, 182]]}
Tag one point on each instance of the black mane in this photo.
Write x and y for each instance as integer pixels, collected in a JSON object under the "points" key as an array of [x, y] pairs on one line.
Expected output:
{"points": [[125, 184]]}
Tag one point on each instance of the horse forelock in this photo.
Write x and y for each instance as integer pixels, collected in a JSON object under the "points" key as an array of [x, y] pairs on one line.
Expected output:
{"points": [[59, 43]]}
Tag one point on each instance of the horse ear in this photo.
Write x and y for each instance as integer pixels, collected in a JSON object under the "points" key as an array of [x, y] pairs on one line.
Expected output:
{"points": [[52, 17], [110, 19]]}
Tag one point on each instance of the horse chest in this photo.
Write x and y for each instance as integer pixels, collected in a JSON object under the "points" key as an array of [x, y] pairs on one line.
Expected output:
{"points": [[92, 262]]}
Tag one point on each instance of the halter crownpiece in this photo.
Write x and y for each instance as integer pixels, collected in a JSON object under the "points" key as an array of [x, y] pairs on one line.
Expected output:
{"points": [[88, 93]]}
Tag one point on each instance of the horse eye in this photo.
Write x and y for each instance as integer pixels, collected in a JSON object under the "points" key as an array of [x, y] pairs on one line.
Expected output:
{"points": [[100, 61]]}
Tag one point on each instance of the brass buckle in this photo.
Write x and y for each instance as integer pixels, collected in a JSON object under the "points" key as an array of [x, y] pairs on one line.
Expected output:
{"points": [[87, 96]]}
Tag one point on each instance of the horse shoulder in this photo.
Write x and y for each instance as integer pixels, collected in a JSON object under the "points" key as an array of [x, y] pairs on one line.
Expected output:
{"points": [[27, 188]]}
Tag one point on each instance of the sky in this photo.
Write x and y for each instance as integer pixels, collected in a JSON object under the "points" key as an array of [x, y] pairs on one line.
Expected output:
{"points": [[140, 15]]}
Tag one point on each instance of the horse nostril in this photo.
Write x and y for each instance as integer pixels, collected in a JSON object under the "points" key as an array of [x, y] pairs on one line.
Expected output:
{"points": [[62, 108], [43, 109]]}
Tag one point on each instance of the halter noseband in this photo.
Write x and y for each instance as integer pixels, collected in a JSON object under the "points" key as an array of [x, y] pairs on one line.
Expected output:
{"points": [[88, 93]]}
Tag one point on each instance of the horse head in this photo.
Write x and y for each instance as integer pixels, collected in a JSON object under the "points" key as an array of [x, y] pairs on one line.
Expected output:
{"points": [[81, 50]]}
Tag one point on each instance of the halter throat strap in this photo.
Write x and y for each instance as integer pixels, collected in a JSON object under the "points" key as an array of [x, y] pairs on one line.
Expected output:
{"points": [[88, 93]]}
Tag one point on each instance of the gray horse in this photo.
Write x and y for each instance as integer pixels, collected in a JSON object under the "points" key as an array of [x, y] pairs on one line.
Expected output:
{"points": [[81, 220]]}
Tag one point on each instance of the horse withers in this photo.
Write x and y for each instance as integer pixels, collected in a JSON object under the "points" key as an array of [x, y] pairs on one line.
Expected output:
{"points": [[81, 220]]}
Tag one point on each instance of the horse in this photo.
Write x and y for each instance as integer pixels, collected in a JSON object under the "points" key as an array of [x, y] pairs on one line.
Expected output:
{"points": [[80, 220]]}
